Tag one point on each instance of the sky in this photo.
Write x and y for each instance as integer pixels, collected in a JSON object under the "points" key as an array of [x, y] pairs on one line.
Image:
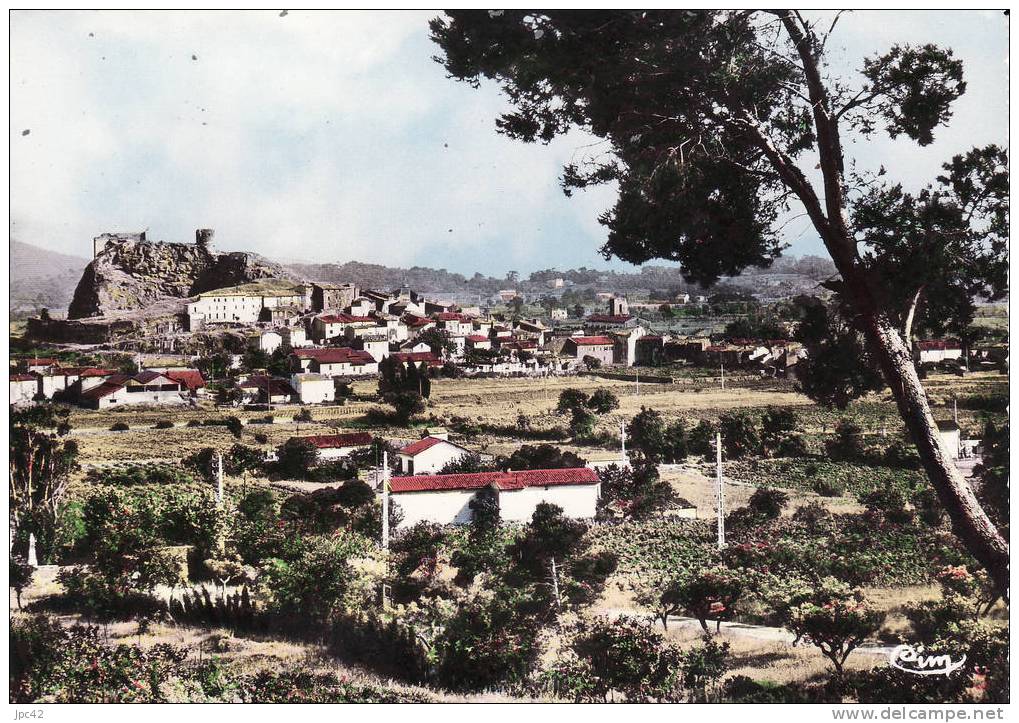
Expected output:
{"points": [[332, 137]]}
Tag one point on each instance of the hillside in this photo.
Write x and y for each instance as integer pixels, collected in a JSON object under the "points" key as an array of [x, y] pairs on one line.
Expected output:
{"points": [[41, 279]]}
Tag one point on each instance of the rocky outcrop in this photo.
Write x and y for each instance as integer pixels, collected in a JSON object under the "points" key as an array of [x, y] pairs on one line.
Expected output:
{"points": [[132, 274]]}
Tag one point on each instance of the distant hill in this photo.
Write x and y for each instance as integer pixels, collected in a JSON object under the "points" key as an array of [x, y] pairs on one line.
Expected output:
{"points": [[42, 279]]}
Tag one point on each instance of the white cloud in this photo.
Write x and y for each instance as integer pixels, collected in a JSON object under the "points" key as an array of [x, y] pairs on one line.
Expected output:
{"points": [[332, 136]]}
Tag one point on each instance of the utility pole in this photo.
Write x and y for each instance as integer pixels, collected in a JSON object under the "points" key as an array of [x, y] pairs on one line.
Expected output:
{"points": [[637, 372], [219, 479], [622, 442], [385, 501], [555, 585], [720, 491], [723, 376], [955, 410]]}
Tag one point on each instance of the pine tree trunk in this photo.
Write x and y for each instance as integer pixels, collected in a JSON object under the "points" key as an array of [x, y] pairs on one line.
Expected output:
{"points": [[969, 520]]}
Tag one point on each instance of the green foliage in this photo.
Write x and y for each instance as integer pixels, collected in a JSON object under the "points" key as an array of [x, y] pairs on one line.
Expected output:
{"points": [[20, 576], [835, 619], [405, 404], [466, 463], [777, 426], [296, 457], [768, 502], [993, 490], [570, 399], [838, 367], [848, 445], [119, 427], [708, 594], [633, 492], [319, 581], [740, 436], [703, 668], [625, 656], [540, 456], [602, 401]]}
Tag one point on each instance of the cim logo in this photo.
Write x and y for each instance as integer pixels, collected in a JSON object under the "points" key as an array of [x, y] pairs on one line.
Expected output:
{"points": [[912, 660]]}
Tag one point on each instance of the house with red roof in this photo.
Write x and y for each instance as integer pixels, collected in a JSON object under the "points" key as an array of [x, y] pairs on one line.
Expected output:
{"points": [[932, 351], [446, 498], [599, 347], [429, 454], [123, 389], [329, 326], [192, 379], [337, 446], [261, 389], [340, 361], [40, 365]]}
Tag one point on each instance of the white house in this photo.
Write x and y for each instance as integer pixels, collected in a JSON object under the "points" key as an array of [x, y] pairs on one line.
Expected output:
{"points": [[23, 387], [337, 446], [123, 389], [241, 304], [295, 336], [329, 326], [338, 361], [267, 341], [445, 499], [263, 389], [313, 388], [429, 455]]}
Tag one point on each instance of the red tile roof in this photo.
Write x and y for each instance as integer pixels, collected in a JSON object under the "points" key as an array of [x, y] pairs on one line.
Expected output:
{"points": [[146, 377], [503, 480], [101, 390], [416, 448], [415, 321], [42, 362], [416, 357], [346, 319], [336, 441], [85, 372], [24, 378], [477, 338], [930, 344], [191, 378], [335, 355], [590, 340], [451, 316], [276, 386]]}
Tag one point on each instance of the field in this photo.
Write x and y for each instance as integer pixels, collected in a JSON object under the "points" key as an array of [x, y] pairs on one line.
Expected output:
{"points": [[650, 552]]}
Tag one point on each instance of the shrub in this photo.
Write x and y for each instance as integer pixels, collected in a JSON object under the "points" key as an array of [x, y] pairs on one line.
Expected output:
{"points": [[296, 457], [625, 656], [261, 438], [768, 502], [847, 445], [603, 401], [646, 434], [740, 436], [193, 423], [835, 619], [20, 576], [703, 668], [163, 424], [901, 454], [119, 427], [793, 445], [235, 426], [777, 424], [570, 399], [829, 487], [889, 501], [709, 594], [540, 456]]}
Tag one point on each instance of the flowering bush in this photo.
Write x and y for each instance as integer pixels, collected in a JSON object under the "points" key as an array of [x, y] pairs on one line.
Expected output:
{"points": [[626, 655]]}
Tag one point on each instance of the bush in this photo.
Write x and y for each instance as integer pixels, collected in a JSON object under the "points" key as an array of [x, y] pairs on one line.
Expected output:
{"points": [[119, 427], [767, 502], [901, 454], [777, 425], [740, 436], [709, 594], [829, 487], [540, 456], [627, 656], [847, 446], [793, 445], [603, 401], [296, 457], [163, 424], [193, 423], [889, 501]]}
